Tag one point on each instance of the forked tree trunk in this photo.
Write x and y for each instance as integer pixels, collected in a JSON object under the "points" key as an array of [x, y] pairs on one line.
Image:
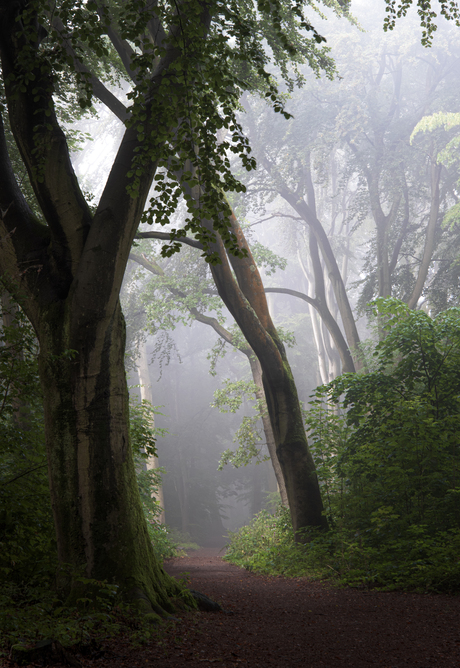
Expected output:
{"points": [[66, 275], [308, 215]]}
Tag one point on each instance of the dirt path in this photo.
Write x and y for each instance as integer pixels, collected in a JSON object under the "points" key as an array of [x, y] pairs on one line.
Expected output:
{"points": [[293, 622]]}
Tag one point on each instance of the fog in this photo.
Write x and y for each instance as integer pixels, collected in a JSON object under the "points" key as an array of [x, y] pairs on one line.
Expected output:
{"points": [[380, 194]]}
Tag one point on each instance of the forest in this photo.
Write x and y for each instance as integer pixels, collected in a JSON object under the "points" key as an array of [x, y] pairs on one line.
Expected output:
{"points": [[229, 299]]}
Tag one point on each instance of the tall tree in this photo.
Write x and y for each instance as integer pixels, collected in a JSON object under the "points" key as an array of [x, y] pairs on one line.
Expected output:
{"points": [[401, 183], [65, 263]]}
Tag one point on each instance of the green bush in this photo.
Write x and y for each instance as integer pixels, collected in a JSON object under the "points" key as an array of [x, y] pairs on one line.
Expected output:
{"points": [[267, 546], [387, 453], [417, 560]]}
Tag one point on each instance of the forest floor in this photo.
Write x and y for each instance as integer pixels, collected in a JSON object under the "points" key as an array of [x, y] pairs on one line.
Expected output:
{"points": [[275, 621]]}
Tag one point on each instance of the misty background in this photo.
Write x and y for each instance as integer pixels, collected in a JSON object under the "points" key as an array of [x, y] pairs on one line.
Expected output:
{"points": [[383, 191]]}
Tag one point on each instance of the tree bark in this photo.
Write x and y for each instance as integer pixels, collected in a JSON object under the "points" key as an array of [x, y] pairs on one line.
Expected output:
{"points": [[269, 436], [245, 299], [96, 505]]}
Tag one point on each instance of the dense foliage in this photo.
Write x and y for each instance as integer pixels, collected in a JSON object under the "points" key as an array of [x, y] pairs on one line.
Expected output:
{"points": [[27, 545], [267, 545], [387, 454]]}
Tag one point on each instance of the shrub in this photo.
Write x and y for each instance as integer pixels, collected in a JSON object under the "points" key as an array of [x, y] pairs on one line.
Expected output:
{"points": [[386, 448]]}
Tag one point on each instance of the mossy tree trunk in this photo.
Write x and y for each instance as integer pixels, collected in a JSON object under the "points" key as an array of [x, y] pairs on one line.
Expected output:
{"points": [[96, 505]]}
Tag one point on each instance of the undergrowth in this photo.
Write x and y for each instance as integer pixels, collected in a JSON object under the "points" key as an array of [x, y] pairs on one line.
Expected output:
{"points": [[387, 454], [182, 542], [267, 546], [30, 614], [415, 561]]}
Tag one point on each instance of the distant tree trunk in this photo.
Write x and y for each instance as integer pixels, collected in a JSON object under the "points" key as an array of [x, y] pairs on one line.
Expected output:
{"points": [[182, 493], [181, 482], [147, 394], [323, 344], [435, 176], [383, 223], [256, 496], [308, 214]]}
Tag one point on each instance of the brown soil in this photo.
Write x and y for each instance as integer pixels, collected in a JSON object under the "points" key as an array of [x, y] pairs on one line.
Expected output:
{"points": [[274, 621], [295, 622]]}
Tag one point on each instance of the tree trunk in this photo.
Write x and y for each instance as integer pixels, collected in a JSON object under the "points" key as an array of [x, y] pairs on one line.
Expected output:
{"points": [[147, 395], [328, 368], [246, 350], [66, 275], [256, 370], [435, 176], [96, 504], [308, 215], [247, 303]]}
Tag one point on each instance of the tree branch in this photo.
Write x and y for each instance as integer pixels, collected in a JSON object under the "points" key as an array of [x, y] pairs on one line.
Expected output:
{"points": [[43, 145], [124, 50], [308, 215], [99, 89], [21, 475], [165, 236], [200, 317]]}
